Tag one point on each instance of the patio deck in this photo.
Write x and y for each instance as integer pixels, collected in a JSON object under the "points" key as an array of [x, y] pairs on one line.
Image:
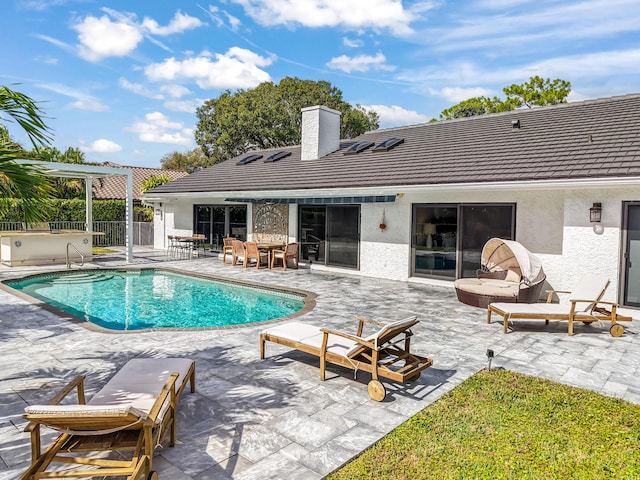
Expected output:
{"points": [[274, 418]]}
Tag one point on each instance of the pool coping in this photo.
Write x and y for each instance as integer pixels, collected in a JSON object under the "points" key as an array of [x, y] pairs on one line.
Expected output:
{"points": [[308, 298]]}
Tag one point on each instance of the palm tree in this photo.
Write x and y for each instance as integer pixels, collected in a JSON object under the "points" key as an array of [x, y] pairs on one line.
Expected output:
{"points": [[25, 182]]}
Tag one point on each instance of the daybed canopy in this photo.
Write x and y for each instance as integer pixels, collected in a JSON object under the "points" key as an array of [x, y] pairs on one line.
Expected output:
{"points": [[504, 255]]}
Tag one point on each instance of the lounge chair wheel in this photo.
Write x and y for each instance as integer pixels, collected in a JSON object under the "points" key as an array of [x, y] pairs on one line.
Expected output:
{"points": [[376, 390], [153, 475], [616, 330]]}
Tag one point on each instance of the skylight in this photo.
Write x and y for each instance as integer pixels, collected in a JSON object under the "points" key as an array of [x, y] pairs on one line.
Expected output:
{"points": [[357, 148], [249, 159], [388, 144], [276, 156]]}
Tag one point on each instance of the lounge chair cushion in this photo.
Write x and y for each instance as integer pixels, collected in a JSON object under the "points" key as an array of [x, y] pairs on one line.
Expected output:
{"points": [[82, 410], [535, 308]]}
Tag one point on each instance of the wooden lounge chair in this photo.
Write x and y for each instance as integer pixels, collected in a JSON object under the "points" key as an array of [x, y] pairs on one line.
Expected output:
{"points": [[132, 412], [254, 254], [585, 305], [385, 354], [290, 252]]}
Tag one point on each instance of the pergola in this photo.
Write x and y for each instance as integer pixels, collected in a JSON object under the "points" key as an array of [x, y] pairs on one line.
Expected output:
{"points": [[88, 173]]}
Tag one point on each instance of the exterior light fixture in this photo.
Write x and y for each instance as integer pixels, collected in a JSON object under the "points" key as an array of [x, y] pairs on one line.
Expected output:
{"points": [[595, 213], [595, 217], [489, 357]]}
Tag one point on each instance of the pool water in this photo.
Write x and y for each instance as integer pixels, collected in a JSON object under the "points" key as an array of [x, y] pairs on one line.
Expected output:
{"points": [[153, 298]]}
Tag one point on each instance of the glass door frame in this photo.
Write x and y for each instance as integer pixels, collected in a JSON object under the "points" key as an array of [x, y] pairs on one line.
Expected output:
{"points": [[623, 281]]}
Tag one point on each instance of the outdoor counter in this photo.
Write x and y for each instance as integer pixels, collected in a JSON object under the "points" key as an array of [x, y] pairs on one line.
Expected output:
{"points": [[45, 247]]}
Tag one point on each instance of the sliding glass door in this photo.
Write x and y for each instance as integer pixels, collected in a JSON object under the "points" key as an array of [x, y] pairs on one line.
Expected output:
{"points": [[447, 239], [330, 234], [217, 221]]}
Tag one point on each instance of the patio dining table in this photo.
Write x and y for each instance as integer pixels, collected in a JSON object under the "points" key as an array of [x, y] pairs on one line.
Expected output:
{"points": [[270, 247]]}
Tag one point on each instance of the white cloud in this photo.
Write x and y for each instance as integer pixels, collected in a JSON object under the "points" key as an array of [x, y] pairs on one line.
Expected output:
{"points": [[47, 59], [187, 106], [178, 24], [238, 68], [101, 38], [458, 94], [353, 14], [348, 42], [158, 128], [393, 116], [83, 101], [101, 146], [175, 91], [139, 89], [117, 34], [360, 63]]}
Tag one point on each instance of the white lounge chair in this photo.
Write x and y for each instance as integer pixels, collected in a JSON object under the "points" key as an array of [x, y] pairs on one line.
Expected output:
{"points": [[585, 305], [132, 412], [384, 354]]}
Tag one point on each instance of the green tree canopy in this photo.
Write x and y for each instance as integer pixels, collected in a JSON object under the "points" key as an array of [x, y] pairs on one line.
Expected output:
{"points": [[537, 92], [268, 116], [17, 180], [153, 182], [188, 161]]}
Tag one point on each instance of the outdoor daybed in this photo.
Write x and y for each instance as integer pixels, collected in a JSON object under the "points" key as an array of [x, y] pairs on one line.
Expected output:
{"points": [[510, 273], [384, 354], [132, 412]]}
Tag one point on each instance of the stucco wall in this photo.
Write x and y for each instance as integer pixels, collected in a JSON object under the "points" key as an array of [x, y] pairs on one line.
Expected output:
{"points": [[554, 224]]}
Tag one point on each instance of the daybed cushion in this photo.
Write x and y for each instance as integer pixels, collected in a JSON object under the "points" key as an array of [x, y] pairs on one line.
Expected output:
{"points": [[488, 286]]}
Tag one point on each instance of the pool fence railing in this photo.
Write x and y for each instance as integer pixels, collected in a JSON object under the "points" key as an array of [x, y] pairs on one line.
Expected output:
{"points": [[114, 232]]}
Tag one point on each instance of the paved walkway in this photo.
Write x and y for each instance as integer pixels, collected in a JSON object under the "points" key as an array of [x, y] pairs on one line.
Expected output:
{"points": [[274, 419]]}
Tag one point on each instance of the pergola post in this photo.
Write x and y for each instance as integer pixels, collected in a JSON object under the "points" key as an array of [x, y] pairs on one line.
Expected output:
{"points": [[128, 205], [88, 216]]}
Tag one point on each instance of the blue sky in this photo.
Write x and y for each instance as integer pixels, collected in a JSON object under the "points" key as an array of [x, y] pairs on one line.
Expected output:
{"points": [[121, 79]]}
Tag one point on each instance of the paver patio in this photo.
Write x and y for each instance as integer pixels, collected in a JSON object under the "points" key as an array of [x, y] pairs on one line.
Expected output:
{"points": [[275, 419]]}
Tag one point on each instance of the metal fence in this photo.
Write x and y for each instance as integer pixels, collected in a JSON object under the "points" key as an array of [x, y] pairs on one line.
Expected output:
{"points": [[114, 232]]}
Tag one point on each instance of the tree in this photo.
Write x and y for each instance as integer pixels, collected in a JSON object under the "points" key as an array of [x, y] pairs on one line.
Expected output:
{"points": [[189, 161], [66, 188], [268, 116], [153, 182], [17, 180], [537, 92]]}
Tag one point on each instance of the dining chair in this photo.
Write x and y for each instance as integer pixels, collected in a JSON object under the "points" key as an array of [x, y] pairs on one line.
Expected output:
{"points": [[239, 252], [290, 252], [253, 253], [227, 248]]}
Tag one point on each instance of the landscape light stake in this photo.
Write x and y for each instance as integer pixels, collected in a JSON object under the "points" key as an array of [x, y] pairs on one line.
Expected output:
{"points": [[489, 357]]}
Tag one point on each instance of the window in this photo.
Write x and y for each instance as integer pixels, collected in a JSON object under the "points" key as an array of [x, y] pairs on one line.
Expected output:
{"points": [[218, 221]]}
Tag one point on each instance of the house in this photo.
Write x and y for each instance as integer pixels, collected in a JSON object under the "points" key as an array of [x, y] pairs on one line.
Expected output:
{"points": [[417, 203]]}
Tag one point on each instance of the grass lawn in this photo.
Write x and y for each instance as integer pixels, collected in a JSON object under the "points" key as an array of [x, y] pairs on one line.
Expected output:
{"points": [[101, 250], [503, 425]]}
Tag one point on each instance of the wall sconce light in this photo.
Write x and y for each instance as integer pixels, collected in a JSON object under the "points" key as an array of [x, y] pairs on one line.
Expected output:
{"points": [[595, 217], [383, 225], [158, 212], [595, 213]]}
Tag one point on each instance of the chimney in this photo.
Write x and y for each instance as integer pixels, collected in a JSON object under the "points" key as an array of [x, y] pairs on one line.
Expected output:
{"points": [[320, 131]]}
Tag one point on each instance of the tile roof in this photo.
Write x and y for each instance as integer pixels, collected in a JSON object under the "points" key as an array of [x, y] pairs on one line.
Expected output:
{"points": [[589, 139], [114, 188]]}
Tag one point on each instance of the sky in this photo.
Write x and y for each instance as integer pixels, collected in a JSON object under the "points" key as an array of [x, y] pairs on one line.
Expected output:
{"points": [[121, 79]]}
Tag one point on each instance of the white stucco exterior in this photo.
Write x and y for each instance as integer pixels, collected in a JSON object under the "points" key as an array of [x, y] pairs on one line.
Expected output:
{"points": [[553, 223]]}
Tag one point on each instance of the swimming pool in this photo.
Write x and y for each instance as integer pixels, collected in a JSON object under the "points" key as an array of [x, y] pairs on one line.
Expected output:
{"points": [[142, 299]]}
